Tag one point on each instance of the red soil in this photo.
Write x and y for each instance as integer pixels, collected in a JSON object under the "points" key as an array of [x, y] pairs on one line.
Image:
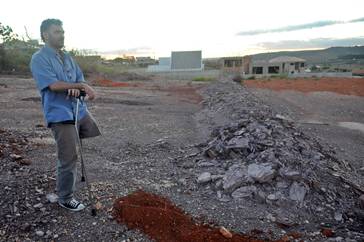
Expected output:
{"points": [[163, 221], [110, 83], [346, 86]]}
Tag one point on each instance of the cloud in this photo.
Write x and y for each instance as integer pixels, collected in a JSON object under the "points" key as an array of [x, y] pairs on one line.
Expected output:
{"points": [[317, 24], [142, 50], [313, 43]]}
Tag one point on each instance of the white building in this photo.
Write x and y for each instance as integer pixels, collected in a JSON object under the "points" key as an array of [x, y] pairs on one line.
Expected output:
{"points": [[179, 61]]}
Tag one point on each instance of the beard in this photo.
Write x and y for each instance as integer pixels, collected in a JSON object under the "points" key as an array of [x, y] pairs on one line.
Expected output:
{"points": [[57, 43]]}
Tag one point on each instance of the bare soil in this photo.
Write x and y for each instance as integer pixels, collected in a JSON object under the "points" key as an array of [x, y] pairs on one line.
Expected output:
{"points": [[146, 126]]}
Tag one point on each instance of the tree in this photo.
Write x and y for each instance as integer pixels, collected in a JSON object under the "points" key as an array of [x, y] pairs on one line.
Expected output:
{"points": [[6, 34]]}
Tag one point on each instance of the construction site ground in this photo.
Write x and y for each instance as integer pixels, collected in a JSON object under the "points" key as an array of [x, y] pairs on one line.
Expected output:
{"points": [[147, 127]]}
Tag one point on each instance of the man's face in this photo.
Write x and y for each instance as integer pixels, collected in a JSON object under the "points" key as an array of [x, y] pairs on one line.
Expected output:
{"points": [[54, 36]]}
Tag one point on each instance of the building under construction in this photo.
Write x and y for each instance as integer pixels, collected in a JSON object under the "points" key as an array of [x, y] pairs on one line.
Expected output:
{"points": [[245, 65]]}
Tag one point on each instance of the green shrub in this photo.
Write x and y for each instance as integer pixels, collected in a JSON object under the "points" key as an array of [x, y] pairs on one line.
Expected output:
{"points": [[203, 79]]}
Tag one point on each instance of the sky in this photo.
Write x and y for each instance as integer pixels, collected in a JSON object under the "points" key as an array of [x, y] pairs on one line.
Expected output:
{"points": [[217, 27]]}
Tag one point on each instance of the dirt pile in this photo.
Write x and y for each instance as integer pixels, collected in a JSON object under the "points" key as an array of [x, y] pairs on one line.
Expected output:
{"points": [[161, 220]]}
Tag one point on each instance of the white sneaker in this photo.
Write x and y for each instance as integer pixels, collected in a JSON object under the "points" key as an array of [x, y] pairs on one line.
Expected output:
{"points": [[72, 205]]}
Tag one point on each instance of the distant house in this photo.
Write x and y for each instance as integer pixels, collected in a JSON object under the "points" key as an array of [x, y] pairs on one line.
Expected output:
{"points": [[280, 65]]}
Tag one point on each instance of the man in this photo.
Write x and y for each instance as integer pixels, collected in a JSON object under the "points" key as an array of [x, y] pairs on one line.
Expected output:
{"points": [[59, 80]]}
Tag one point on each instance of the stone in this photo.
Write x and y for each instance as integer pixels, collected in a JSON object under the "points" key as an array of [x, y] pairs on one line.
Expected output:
{"points": [[226, 233], [338, 216], [282, 184], [297, 192], [52, 198], [239, 142], [219, 185], [216, 177], [15, 156], [40, 233], [38, 205], [261, 196], [289, 174], [204, 177], [272, 197], [361, 201], [242, 192], [234, 178], [261, 172], [270, 217]]}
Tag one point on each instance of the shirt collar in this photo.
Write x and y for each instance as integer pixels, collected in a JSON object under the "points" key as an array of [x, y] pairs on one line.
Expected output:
{"points": [[52, 51]]}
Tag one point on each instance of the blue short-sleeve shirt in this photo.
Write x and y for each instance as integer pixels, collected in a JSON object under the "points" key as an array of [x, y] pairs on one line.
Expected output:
{"points": [[48, 67]]}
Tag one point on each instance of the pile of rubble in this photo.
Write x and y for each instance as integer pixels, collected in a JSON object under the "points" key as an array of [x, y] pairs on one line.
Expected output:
{"points": [[254, 153]]}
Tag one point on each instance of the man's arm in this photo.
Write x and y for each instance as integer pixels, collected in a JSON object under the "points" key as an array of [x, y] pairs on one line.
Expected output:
{"points": [[72, 88], [60, 86]]}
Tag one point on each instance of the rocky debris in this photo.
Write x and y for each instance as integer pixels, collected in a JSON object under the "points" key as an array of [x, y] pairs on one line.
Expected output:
{"points": [[263, 157]]}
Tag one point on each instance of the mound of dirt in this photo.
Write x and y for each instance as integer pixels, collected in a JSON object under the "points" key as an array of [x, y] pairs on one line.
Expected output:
{"points": [[160, 219]]}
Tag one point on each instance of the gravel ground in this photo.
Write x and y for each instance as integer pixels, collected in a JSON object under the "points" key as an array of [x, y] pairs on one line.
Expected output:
{"points": [[147, 131]]}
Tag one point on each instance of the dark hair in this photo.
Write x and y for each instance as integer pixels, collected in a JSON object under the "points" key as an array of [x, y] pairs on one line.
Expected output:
{"points": [[47, 23]]}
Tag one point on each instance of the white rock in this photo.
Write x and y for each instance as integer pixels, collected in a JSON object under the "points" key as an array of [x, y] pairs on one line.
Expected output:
{"points": [[38, 205], [39, 233], [261, 172], [272, 197], [338, 216], [297, 192], [52, 198], [204, 178]]}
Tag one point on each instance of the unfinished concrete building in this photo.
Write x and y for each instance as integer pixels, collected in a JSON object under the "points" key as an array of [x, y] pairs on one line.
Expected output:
{"points": [[247, 66], [278, 65], [238, 64]]}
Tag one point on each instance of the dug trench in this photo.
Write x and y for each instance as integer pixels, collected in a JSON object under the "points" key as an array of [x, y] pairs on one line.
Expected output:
{"points": [[227, 161]]}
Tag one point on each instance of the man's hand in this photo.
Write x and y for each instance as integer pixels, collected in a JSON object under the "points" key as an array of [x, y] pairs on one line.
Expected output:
{"points": [[73, 92], [89, 91]]}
